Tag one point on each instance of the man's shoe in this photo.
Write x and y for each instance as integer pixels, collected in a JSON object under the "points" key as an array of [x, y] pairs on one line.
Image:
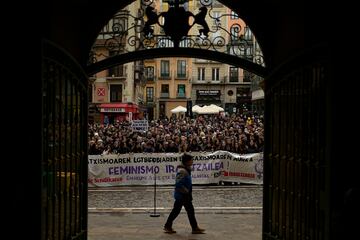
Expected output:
{"points": [[169, 230], [198, 231]]}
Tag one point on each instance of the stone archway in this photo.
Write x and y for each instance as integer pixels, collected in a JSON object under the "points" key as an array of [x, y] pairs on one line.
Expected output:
{"points": [[294, 29]]}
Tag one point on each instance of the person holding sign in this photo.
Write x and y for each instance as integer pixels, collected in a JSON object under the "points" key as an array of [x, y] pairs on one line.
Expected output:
{"points": [[183, 196]]}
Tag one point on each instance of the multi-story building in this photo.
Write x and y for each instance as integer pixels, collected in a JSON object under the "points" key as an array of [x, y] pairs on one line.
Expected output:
{"points": [[167, 79], [162, 84], [117, 93], [221, 84], [168, 85]]}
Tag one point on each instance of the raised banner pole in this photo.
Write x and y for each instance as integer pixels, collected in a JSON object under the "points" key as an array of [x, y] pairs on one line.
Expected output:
{"points": [[154, 214]]}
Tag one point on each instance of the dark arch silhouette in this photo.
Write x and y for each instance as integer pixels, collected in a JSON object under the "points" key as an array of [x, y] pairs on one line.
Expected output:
{"points": [[284, 30]]}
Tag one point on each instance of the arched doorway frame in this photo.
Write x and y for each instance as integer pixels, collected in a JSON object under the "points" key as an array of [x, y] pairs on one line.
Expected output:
{"points": [[176, 52], [289, 50]]}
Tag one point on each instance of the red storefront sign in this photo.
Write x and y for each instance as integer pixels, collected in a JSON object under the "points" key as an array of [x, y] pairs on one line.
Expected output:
{"points": [[119, 108]]}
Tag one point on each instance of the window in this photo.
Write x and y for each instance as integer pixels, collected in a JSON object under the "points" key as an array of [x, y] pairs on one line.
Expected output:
{"points": [[236, 50], [149, 94], [246, 51], [215, 35], [248, 33], [165, 42], [165, 88], [234, 15], [117, 71], [164, 91], [165, 68], [181, 68], [234, 74], [181, 91], [201, 74], [215, 74], [149, 73], [186, 6], [115, 93], [247, 76], [216, 16], [235, 30], [185, 43], [118, 24], [249, 51]]}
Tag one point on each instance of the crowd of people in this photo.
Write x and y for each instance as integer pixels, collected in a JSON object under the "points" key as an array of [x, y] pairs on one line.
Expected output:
{"points": [[234, 133]]}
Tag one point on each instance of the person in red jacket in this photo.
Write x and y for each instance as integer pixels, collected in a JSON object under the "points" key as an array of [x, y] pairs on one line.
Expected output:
{"points": [[183, 196]]}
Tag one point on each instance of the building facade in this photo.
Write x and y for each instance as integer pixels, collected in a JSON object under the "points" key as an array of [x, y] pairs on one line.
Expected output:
{"points": [[117, 93], [156, 86]]}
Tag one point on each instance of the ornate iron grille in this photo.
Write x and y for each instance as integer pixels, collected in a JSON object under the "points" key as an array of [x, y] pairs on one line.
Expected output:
{"points": [[146, 29], [64, 131]]}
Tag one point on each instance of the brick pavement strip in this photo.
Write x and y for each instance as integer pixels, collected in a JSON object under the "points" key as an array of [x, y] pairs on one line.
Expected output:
{"points": [[136, 226]]}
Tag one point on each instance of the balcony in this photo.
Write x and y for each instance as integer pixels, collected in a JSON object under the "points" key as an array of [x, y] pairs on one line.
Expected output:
{"points": [[180, 95], [115, 77], [116, 73], [199, 60], [164, 95], [165, 76], [150, 78], [180, 76], [234, 79]]}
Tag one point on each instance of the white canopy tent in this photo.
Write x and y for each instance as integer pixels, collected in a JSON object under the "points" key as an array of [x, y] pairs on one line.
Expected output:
{"points": [[217, 107], [178, 109], [208, 110], [196, 108]]}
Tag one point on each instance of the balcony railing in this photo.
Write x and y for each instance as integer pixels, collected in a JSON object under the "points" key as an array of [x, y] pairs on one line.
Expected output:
{"points": [[234, 79], [165, 76], [116, 77], [164, 95], [181, 76], [181, 95], [150, 78], [209, 80]]}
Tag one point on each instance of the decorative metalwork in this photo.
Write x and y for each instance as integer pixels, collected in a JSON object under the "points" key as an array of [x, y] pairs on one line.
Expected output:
{"points": [[176, 29], [64, 131]]}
